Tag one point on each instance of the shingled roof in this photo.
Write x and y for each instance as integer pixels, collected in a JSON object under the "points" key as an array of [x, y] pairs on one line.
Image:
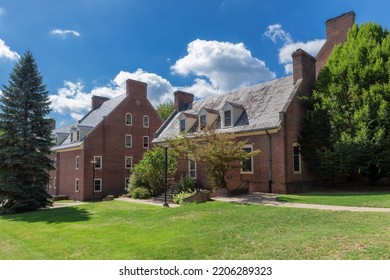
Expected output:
{"points": [[88, 122], [262, 104]]}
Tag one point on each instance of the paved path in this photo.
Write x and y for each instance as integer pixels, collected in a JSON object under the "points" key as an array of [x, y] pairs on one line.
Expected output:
{"points": [[270, 199]]}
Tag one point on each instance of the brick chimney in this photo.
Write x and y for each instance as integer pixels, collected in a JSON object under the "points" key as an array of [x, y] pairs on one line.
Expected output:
{"points": [[97, 101], [304, 67], [182, 98], [336, 32], [136, 89]]}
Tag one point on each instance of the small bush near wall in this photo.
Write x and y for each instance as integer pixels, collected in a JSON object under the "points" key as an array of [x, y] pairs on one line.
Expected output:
{"points": [[140, 193]]}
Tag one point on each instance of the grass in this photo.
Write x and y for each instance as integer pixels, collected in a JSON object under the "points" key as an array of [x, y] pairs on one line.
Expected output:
{"points": [[359, 199], [214, 230]]}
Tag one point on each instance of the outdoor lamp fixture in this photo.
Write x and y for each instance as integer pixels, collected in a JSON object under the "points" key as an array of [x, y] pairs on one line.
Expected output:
{"points": [[93, 180]]}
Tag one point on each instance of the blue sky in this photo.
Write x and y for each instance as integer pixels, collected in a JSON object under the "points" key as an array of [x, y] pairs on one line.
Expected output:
{"points": [[206, 47]]}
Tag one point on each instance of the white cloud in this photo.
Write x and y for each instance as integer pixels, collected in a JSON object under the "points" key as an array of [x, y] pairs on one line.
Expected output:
{"points": [[226, 65], [275, 33], [5, 52], [64, 32], [74, 101]]}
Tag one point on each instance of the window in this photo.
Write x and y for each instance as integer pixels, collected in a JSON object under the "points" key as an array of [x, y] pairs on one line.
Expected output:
{"points": [[97, 186], [182, 125], [98, 162], [129, 119], [77, 162], [78, 135], [202, 121], [247, 164], [146, 121], [128, 162], [127, 180], [227, 116], [296, 159], [71, 137], [76, 185], [146, 141], [192, 168], [128, 141]]}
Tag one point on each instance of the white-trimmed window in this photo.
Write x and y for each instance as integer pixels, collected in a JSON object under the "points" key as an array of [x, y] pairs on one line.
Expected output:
{"points": [[202, 122], [247, 164], [129, 119], [146, 142], [97, 185], [182, 125], [128, 141], [76, 185], [146, 121], [98, 162], [296, 159], [192, 168], [77, 162], [128, 162], [227, 118]]}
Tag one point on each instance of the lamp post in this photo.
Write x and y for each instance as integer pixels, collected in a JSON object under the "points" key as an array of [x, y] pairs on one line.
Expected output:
{"points": [[165, 175], [93, 180]]}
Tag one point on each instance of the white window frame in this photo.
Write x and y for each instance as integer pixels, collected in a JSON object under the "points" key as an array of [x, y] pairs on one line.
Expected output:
{"points": [[202, 125], [251, 158], [131, 141], [194, 170], [77, 162], [143, 142], [296, 145], [77, 185], [131, 119], [95, 159], [143, 121], [231, 118], [131, 162], [94, 184]]}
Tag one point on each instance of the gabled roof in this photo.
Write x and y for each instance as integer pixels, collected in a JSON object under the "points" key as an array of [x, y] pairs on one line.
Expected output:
{"points": [[262, 103], [89, 121]]}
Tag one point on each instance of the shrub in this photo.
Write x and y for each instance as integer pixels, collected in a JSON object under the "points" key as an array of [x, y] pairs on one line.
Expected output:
{"points": [[140, 193], [186, 184], [180, 197]]}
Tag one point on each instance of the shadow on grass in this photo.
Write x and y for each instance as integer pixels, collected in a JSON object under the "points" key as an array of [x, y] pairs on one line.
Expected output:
{"points": [[51, 216]]}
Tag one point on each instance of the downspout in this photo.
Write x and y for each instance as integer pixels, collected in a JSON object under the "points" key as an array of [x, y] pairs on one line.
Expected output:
{"points": [[269, 162]]}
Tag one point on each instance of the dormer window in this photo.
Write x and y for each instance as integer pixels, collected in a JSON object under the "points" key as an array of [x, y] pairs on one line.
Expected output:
{"points": [[202, 122], [187, 121], [227, 117], [182, 125]]}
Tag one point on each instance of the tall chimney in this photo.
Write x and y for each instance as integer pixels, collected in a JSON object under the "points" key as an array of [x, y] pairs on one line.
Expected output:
{"points": [[336, 33], [136, 89], [304, 67], [97, 101], [182, 98]]}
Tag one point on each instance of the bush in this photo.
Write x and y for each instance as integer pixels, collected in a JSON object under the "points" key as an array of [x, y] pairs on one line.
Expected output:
{"points": [[186, 184], [180, 197], [140, 193]]}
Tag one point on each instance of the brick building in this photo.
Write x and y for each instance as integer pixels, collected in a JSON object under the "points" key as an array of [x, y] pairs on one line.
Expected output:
{"points": [[94, 156], [267, 116]]}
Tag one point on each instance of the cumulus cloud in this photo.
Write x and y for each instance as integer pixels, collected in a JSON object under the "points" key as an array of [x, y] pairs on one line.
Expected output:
{"points": [[65, 32], [226, 65], [5, 52], [275, 33], [73, 100]]}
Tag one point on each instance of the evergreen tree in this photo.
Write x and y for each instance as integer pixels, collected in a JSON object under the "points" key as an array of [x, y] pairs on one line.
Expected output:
{"points": [[26, 140], [349, 132]]}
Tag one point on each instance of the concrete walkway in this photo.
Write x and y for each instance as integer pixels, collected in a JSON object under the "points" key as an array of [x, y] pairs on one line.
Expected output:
{"points": [[270, 200]]}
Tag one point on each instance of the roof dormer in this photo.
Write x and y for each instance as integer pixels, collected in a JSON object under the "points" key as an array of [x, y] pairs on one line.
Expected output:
{"points": [[187, 121], [231, 112], [207, 117]]}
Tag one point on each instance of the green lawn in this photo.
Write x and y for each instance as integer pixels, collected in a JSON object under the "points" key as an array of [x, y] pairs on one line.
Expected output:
{"points": [[212, 230], [359, 199]]}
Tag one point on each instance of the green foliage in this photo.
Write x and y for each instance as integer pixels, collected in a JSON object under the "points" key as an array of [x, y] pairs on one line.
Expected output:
{"points": [[185, 184], [164, 110], [349, 131], [140, 193], [25, 141], [180, 197], [149, 173], [219, 152]]}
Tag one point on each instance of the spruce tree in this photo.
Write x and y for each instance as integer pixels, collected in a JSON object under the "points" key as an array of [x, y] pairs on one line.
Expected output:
{"points": [[25, 141]]}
